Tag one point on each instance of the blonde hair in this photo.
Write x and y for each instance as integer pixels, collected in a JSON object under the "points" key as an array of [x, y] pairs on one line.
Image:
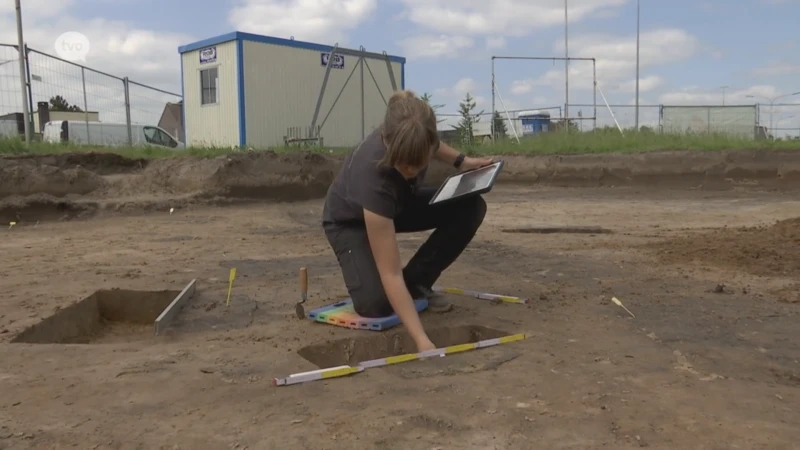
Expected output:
{"points": [[409, 130]]}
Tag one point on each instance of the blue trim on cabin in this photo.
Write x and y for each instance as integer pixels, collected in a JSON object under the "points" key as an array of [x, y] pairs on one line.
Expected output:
{"points": [[221, 39], [183, 108], [403, 76], [240, 76], [238, 35]]}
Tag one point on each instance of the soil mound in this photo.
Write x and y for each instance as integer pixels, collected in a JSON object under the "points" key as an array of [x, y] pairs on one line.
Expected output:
{"points": [[250, 175], [766, 250], [306, 175], [41, 207], [99, 163], [29, 178]]}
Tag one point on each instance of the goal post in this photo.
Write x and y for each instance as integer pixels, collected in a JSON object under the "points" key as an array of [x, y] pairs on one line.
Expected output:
{"points": [[495, 89]]}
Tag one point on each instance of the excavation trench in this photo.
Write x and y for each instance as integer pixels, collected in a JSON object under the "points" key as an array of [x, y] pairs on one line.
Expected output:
{"points": [[356, 350]]}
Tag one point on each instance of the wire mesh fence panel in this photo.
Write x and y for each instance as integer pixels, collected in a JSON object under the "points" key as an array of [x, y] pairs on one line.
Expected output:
{"points": [[508, 124], [61, 90], [11, 116], [781, 120], [729, 120], [625, 115], [148, 105], [109, 106]]}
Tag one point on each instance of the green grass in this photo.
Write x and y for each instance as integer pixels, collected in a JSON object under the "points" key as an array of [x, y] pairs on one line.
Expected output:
{"points": [[602, 141], [607, 141]]}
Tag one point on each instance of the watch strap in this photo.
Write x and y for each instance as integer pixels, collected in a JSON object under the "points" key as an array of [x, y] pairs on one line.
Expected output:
{"points": [[459, 160]]}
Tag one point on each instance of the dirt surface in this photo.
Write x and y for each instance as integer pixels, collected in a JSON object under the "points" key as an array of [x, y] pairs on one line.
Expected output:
{"points": [[702, 248]]}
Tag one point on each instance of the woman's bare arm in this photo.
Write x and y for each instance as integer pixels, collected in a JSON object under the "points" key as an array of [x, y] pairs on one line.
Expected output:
{"points": [[383, 242]]}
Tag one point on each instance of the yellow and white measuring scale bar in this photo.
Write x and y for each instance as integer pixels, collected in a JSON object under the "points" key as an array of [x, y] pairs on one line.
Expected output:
{"points": [[482, 295], [341, 371]]}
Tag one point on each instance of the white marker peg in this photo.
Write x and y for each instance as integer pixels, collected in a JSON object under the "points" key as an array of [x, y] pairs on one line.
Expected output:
{"points": [[619, 303], [171, 210]]}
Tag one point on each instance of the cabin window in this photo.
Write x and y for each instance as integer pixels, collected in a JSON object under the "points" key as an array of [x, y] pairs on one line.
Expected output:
{"points": [[209, 79]]}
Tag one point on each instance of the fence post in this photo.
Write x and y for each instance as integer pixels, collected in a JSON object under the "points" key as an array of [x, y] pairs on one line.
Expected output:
{"points": [[30, 93], [85, 106], [708, 115], [126, 84]]}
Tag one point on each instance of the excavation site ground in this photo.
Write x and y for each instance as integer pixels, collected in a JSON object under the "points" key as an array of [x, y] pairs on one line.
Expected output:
{"points": [[702, 248]]}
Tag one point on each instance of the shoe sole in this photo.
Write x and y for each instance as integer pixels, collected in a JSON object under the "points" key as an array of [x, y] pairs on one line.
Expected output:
{"points": [[441, 308]]}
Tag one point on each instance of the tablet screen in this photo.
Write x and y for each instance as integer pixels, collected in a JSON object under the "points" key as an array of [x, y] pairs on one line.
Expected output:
{"points": [[468, 182]]}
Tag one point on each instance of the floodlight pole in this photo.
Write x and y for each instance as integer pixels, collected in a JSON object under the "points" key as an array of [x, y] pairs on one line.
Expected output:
{"points": [[22, 77], [637, 64], [493, 104], [566, 67]]}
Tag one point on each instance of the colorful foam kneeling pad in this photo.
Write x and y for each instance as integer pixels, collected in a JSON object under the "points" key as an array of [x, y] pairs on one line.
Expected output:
{"points": [[342, 314]]}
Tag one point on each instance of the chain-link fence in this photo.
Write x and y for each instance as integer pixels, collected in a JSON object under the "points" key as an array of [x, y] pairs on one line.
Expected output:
{"points": [[59, 90], [781, 120]]}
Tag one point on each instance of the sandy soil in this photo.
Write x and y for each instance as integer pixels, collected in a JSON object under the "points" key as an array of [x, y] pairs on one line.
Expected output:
{"points": [[690, 245]]}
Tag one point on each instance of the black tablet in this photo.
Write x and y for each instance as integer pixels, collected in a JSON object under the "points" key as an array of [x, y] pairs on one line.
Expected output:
{"points": [[471, 182]]}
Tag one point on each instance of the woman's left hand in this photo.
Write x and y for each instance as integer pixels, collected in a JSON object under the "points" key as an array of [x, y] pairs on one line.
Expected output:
{"points": [[475, 163]]}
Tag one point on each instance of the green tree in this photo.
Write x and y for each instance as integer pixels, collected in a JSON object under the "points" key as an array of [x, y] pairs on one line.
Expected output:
{"points": [[466, 126], [59, 103], [499, 125], [426, 97]]}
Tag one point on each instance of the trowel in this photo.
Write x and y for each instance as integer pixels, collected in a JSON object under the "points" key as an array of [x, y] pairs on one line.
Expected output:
{"points": [[299, 310]]}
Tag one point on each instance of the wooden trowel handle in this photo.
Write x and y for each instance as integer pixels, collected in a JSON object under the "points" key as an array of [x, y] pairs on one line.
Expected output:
{"points": [[304, 282]]}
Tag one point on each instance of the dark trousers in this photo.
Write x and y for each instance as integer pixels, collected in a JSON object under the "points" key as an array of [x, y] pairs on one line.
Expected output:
{"points": [[455, 224]]}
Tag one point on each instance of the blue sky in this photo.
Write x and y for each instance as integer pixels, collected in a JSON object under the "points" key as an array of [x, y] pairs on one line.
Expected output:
{"points": [[689, 49]]}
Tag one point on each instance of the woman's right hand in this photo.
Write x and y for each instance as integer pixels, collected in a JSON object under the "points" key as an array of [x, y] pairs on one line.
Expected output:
{"points": [[425, 344]]}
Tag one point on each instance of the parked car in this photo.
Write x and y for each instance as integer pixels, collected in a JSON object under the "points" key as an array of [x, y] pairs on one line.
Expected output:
{"points": [[108, 134]]}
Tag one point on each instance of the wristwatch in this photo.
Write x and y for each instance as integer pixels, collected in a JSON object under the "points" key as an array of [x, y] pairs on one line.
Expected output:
{"points": [[459, 160]]}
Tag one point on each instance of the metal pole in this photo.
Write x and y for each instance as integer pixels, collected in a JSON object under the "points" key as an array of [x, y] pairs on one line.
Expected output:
{"points": [[30, 93], [363, 107], [637, 64], [493, 104], [21, 49], [594, 78], [85, 107], [128, 110], [566, 67], [723, 94], [331, 59], [771, 110]]}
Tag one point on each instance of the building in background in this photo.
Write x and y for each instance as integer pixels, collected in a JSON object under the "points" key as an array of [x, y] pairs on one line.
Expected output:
{"points": [[172, 120], [243, 89]]}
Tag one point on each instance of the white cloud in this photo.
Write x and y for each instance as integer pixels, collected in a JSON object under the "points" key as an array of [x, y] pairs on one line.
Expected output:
{"points": [[495, 42], [508, 17], [777, 68], [700, 96], [145, 56], [322, 21], [429, 46], [616, 61], [646, 84], [450, 97]]}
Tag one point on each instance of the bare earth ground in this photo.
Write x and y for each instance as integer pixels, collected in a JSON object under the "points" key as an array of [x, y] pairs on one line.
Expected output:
{"points": [[711, 360]]}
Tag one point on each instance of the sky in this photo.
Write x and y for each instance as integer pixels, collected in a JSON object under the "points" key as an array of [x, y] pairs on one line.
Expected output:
{"points": [[691, 52]]}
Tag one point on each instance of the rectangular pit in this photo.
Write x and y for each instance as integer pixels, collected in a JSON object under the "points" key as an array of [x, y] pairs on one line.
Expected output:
{"points": [[107, 316], [357, 350]]}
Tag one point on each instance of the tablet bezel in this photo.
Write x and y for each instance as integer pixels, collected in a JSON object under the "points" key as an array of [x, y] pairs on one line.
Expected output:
{"points": [[480, 191]]}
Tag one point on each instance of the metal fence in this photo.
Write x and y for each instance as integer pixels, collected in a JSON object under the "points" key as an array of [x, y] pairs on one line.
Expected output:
{"points": [[780, 121], [76, 92]]}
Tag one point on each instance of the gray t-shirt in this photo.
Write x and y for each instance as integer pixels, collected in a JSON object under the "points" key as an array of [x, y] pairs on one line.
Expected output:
{"points": [[363, 183]]}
